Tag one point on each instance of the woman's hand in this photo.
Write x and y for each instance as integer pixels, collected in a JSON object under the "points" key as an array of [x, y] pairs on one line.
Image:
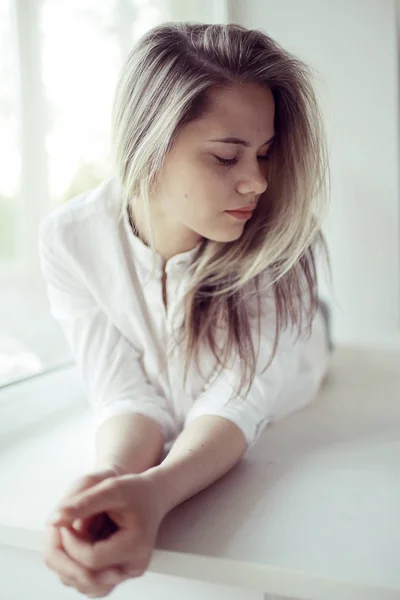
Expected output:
{"points": [[72, 573], [132, 506]]}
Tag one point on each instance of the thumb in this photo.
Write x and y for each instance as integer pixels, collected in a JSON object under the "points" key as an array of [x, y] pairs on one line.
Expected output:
{"points": [[100, 498]]}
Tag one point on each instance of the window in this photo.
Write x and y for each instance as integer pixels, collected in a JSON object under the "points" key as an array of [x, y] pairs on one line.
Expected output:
{"points": [[59, 63]]}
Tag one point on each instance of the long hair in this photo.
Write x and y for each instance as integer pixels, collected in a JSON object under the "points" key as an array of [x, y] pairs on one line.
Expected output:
{"points": [[164, 84]]}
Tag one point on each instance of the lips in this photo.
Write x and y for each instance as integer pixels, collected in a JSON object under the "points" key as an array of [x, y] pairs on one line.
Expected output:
{"points": [[240, 214]]}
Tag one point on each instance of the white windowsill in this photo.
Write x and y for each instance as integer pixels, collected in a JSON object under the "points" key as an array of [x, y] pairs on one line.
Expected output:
{"points": [[312, 511], [27, 405]]}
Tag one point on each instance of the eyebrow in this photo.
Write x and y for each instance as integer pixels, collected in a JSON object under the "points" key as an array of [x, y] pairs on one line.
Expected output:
{"points": [[235, 140]]}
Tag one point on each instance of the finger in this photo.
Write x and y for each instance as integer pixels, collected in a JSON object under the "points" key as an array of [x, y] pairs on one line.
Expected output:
{"points": [[92, 591], [100, 498], [79, 486], [74, 548], [81, 526], [104, 554], [86, 481], [73, 574]]}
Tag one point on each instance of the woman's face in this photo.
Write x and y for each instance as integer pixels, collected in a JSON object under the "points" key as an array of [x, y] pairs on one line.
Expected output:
{"points": [[204, 176]]}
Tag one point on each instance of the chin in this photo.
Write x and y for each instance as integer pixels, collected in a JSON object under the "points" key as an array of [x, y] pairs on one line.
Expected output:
{"points": [[226, 235]]}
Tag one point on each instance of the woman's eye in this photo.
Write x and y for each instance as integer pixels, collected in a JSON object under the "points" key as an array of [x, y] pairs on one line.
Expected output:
{"points": [[226, 161], [233, 161]]}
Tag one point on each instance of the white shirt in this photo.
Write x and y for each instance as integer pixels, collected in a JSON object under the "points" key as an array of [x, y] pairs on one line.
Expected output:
{"points": [[97, 273]]}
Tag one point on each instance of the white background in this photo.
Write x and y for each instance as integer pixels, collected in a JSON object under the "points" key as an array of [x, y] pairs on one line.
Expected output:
{"points": [[353, 45]]}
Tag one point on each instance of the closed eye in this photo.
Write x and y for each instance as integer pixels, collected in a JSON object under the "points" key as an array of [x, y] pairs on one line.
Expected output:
{"points": [[233, 161]]}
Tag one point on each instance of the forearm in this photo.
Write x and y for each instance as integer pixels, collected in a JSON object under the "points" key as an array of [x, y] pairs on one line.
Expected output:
{"points": [[131, 443], [205, 450]]}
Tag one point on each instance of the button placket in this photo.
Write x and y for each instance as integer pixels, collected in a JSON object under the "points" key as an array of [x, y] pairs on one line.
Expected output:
{"points": [[175, 284]]}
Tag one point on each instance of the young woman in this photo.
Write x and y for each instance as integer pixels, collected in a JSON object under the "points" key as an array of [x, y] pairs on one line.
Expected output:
{"points": [[186, 284]]}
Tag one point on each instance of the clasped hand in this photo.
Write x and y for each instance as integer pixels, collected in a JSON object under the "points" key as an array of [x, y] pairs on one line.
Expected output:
{"points": [[128, 509]]}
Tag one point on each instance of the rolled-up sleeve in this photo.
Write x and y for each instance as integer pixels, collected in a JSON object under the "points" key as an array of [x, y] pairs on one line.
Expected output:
{"points": [[107, 362], [251, 412]]}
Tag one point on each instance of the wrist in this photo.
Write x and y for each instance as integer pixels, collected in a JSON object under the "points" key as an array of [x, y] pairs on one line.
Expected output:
{"points": [[157, 478]]}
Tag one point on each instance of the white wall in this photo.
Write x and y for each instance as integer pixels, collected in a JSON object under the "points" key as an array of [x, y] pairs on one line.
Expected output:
{"points": [[353, 45]]}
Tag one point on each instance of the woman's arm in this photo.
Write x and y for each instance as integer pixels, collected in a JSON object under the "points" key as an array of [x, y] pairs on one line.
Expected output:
{"points": [[129, 443], [110, 365], [205, 450]]}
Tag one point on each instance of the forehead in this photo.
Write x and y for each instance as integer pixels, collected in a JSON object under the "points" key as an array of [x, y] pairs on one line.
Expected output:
{"points": [[245, 110]]}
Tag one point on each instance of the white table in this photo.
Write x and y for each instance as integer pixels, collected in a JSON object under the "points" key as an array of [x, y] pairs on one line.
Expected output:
{"points": [[312, 511]]}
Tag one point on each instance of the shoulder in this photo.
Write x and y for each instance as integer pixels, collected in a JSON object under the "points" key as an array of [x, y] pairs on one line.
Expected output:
{"points": [[83, 218]]}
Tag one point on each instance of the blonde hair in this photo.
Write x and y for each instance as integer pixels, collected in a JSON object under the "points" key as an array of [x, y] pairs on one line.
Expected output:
{"points": [[164, 85]]}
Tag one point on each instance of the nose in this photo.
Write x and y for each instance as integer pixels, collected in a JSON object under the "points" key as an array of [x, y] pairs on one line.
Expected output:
{"points": [[252, 182]]}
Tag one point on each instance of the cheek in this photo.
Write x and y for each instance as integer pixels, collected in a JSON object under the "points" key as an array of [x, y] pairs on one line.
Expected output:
{"points": [[204, 191], [206, 201], [217, 189]]}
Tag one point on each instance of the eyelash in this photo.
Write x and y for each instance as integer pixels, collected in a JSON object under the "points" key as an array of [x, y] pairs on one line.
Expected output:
{"points": [[232, 161]]}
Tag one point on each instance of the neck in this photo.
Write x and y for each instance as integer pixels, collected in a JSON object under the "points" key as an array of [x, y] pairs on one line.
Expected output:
{"points": [[168, 243]]}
